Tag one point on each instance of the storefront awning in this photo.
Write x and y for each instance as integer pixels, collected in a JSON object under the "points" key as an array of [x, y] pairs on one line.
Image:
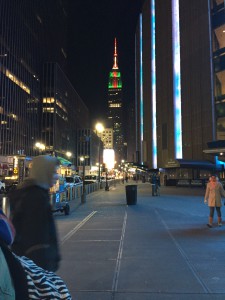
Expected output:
{"points": [[200, 164], [215, 151], [64, 162]]}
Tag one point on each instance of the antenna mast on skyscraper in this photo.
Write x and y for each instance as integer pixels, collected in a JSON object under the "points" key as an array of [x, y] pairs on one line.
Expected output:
{"points": [[115, 65]]}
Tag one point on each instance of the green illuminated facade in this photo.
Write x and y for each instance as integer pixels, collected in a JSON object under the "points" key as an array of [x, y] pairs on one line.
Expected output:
{"points": [[115, 80]]}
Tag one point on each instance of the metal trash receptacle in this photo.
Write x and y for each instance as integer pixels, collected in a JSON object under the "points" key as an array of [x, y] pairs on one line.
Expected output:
{"points": [[131, 194]]}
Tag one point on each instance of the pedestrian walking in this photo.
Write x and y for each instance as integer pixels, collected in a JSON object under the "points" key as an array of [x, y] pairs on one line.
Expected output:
{"points": [[213, 194], [31, 214]]}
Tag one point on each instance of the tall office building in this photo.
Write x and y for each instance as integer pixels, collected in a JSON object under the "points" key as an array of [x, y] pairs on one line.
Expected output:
{"points": [[115, 107], [33, 67], [63, 113], [180, 84]]}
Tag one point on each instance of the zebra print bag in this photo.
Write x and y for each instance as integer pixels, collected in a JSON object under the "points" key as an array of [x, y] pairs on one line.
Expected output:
{"points": [[43, 284]]}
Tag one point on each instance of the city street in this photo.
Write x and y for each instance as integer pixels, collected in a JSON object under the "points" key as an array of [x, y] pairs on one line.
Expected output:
{"points": [[160, 248]]}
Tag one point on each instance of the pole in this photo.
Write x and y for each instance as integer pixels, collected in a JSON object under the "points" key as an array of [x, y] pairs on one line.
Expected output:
{"points": [[6, 206], [99, 165], [83, 196], [106, 181], [99, 161]]}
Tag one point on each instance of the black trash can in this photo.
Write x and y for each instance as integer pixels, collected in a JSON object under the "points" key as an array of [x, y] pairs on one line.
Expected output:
{"points": [[131, 194]]}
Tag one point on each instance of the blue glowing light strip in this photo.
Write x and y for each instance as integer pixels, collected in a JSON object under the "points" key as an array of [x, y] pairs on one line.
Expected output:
{"points": [[141, 89], [176, 79], [154, 135]]}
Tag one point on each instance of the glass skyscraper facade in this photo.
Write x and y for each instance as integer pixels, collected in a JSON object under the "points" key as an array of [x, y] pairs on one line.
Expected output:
{"points": [[63, 113], [37, 101]]}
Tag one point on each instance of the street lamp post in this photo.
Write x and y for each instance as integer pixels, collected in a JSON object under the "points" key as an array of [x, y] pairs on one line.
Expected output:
{"points": [[99, 129], [69, 155], [122, 168], [83, 196], [106, 181]]}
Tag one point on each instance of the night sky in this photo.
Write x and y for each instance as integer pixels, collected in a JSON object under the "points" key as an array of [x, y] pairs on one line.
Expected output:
{"points": [[93, 26]]}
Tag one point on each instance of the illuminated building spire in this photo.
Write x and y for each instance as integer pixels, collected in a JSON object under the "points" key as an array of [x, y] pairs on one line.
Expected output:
{"points": [[115, 65], [115, 81]]}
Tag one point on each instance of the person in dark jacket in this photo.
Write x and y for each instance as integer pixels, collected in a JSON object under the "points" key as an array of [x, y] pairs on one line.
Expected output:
{"points": [[31, 215], [20, 278]]}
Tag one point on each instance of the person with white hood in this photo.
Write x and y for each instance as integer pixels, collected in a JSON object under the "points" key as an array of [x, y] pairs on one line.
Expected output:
{"points": [[31, 215]]}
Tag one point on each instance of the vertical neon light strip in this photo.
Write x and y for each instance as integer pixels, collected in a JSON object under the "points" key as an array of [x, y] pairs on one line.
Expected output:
{"points": [[141, 91], [154, 139], [176, 79]]}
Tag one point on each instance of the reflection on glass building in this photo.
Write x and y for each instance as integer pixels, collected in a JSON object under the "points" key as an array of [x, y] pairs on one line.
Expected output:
{"points": [[180, 86]]}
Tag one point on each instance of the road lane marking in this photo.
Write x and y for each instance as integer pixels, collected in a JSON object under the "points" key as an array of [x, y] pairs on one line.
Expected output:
{"points": [[76, 228], [119, 258]]}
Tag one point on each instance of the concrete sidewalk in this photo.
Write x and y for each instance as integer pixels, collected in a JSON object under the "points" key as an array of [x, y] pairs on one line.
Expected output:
{"points": [[160, 248]]}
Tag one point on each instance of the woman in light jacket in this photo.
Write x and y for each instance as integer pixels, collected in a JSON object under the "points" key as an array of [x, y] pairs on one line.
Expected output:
{"points": [[214, 191]]}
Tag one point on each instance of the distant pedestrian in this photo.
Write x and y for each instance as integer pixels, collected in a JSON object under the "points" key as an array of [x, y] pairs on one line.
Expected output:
{"points": [[31, 214], [214, 191]]}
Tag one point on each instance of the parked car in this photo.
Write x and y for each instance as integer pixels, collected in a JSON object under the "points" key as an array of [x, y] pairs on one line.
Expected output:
{"points": [[73, 180], [90, 179], [10, 186], [78, 180], [2, 186]]}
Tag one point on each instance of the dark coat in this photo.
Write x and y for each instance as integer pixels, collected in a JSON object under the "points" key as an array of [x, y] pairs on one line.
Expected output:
{"points": [[32, 217]]}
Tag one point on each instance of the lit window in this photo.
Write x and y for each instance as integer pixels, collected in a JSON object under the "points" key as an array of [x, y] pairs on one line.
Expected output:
{"points": [[48, 109], [61, 106], [13, 116], [48, 100], [17, 81]]}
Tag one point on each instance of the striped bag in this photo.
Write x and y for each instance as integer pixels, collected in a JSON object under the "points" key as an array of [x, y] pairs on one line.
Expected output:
{"points": [[43, 284]]}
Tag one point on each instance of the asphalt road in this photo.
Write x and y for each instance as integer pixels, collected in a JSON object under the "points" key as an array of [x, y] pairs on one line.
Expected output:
{"points": [[158, 249]]}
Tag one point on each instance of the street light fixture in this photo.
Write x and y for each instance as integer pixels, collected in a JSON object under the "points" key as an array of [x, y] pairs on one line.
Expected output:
{"points": [[99, 129], [122, 168], [83, 196], [68, 154], [40, 147]]}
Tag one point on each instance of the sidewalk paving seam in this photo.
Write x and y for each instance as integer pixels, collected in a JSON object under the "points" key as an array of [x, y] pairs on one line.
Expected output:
{"points": [[119, 257], [184, 255]]}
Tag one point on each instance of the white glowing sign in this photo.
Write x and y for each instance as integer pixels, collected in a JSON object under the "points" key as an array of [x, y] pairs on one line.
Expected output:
{"points": [[154, 134], [177, 80], [141, 89], [109, 158]]}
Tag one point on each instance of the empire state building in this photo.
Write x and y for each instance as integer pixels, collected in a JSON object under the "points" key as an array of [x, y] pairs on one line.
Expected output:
{"points": [[115, 107]]}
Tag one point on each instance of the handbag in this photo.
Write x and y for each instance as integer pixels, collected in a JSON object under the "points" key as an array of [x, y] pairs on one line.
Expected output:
{"points": [[43, 284], [32, 282]]}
